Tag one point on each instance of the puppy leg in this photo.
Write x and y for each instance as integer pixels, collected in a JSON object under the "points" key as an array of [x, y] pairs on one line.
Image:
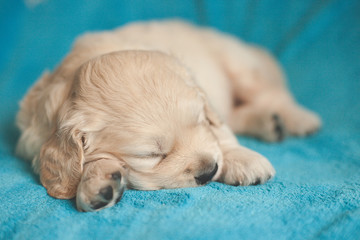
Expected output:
{"points": [[241, 166], [258, 81], [102, 185], [258, 122], [271, 117], [297, 120]]}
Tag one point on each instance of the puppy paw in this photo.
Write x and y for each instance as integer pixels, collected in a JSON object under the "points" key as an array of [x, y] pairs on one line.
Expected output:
{"points": [[270, 128], [99, 191], [301, 122], [244, 167]]}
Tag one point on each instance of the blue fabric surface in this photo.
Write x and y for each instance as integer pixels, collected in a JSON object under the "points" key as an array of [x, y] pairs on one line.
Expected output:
{"points": [[316, 192]]}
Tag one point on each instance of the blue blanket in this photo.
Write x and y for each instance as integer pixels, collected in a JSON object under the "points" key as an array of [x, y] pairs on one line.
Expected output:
{"points": [[316, 192]]}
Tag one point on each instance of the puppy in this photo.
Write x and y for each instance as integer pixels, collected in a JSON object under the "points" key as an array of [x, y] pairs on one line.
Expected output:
{"points": [[151, 106]]}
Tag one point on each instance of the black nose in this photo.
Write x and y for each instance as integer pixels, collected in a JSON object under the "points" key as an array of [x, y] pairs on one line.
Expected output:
{"points": [[202, 179]]}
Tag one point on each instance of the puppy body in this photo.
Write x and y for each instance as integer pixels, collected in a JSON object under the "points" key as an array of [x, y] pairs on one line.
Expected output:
{"points": [[147, 106]]}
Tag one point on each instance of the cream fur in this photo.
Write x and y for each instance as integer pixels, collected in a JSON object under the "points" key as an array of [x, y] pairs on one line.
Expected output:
{"points": [[147, 107]]}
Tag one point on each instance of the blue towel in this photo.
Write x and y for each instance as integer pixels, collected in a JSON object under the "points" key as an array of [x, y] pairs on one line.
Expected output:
{"points": [[316, 192]]}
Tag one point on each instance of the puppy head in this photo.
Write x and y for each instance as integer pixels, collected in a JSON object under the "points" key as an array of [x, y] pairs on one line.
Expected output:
{"points": [[144, 108]]}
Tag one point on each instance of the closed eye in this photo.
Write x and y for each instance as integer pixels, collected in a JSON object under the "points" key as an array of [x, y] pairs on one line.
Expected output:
{"points": [[144, 162], [158, 155], [150, 156]]}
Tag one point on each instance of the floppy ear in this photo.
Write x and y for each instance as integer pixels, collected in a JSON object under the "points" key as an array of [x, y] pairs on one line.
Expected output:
{"points": [[61, 164]]}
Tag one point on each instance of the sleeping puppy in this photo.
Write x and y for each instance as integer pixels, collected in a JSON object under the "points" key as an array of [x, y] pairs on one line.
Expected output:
{"points": [[155, 105]]}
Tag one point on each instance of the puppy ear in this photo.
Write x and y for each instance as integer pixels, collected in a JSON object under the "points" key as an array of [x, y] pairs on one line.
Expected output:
{"points": [[61, 164]]}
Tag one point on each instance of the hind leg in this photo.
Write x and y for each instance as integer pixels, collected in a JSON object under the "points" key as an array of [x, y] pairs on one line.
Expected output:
{"points": [[257, 121], [273, 115], [298, 121], [267, 109]]}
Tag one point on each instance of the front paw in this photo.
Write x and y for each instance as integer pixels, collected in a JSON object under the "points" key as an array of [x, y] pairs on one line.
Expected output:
{"points": [[244, 167], [98, 192]]}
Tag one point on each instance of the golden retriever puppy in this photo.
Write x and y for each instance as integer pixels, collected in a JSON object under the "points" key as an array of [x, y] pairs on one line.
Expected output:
{"points": [[148, 106]]}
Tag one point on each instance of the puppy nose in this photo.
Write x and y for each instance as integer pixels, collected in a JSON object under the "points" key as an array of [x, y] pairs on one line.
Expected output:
{"points": [[204, 178]]}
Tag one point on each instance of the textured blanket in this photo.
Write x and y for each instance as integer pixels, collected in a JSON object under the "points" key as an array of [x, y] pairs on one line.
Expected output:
{"points": [[316, 192]]}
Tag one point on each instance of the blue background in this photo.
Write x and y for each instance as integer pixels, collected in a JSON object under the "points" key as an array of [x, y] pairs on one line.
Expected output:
{"points": [[316, 192]]}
